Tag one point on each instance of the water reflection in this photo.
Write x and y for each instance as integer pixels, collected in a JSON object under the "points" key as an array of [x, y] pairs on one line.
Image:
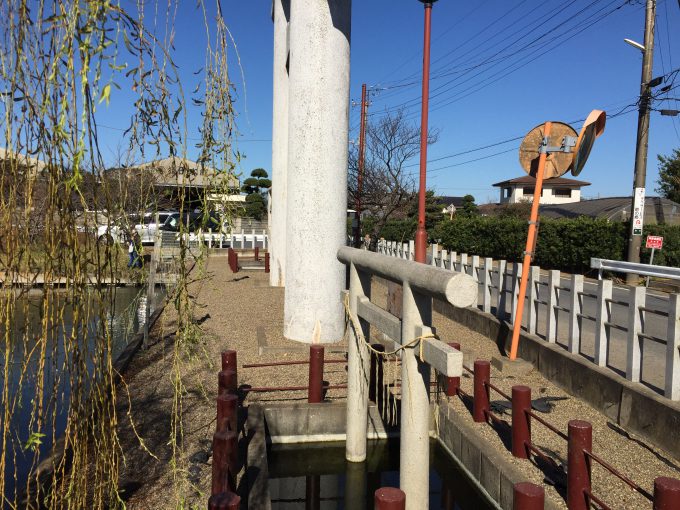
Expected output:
{"points": [[39, 346], [316, 476]]}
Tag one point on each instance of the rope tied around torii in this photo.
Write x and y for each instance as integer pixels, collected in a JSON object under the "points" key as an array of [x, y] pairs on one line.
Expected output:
{"points": [[390, 375]]}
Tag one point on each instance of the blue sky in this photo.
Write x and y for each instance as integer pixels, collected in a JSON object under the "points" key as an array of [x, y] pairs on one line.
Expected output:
{"points": [[503, 67]]}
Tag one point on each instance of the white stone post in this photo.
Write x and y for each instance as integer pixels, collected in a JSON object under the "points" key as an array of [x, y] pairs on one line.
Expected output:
{"points": [[358, 367], [672, 383], [435, 249], [514, 296], [318, 134], [405, 251], [500, 303], [414, 446], [574, 342], [487, 278], [534, 275], [411, 250], [277, 255], [474, 265], [444, 259], [553, 293], [604, 294], [454, 260], [463, 262], [636, 299]]}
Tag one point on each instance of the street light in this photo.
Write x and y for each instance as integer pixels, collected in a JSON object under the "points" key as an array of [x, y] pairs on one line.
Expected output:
{"points": [[635, 44], [421, 233]]}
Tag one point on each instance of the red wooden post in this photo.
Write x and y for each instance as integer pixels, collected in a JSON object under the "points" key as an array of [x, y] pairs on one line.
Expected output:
{"points": [[257, 253], [224, 501], [227, 382], [224, 462], [227, 412], [521, 421], [230, 259], [266, 262], [390, 498], [453, 383], [580, 441], [229, 360], [480, 404], [236, 262], [315, 393], [527, 496], [666, 493], [375, 382]]}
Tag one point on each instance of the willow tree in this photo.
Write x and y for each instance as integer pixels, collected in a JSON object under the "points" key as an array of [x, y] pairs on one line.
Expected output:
{"points": [[62, 62]]}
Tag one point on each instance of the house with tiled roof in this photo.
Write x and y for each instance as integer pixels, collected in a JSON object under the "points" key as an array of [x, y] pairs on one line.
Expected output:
{"points": [[558, 190]]}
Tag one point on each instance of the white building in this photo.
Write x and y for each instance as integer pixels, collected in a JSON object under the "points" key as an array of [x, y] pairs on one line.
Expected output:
{"points": [[555, 191]]}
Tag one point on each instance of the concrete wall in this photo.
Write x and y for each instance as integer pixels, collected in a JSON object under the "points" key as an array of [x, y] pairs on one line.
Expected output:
{"points": [[318, 128]]}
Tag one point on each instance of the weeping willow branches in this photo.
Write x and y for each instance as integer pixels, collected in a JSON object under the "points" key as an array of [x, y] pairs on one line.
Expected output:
{"points": [[61, 63]]}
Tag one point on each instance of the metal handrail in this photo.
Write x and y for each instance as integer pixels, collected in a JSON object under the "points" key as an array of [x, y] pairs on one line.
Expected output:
{"points": [[620, 266]]}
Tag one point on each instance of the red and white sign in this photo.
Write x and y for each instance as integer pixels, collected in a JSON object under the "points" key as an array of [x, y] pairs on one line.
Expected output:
{"points": [[655, 242]]}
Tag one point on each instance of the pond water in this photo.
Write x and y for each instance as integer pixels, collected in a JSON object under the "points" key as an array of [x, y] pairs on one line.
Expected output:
{"points": [[125, 311], [317, 476]]}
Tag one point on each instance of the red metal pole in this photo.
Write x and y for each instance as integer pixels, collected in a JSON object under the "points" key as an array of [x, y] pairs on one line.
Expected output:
{"points": [[224, 501], [360, 176], [266, 262], [375, 382], [229, 360], [390, 498], [666, 493], [227, 413], [315, 394], [227, 382], [580, 441], [421, 234], [521, 421], [453, 383], [480, 403], [528, 496], [224, 463]]}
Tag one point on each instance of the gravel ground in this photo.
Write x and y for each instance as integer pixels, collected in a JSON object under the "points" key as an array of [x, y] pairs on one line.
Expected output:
{"points": [[242, 312]]}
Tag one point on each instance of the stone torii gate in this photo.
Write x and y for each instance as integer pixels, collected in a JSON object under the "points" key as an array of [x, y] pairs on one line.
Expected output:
{"points": [[310, 135]]}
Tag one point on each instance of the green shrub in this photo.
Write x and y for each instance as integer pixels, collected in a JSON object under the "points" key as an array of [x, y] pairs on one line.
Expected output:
{"points": [[565, 244]]}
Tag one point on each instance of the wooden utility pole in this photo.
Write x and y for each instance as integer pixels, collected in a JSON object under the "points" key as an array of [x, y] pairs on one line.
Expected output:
{"points": [[638, 201]]}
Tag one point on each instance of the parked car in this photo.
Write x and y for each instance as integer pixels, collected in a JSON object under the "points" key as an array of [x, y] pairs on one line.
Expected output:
{"points": [[145, 225], [192, 222]]}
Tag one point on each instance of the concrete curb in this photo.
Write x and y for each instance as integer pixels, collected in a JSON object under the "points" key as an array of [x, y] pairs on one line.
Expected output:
{"points": [[257, 470], [494, 474], [634, 407]]}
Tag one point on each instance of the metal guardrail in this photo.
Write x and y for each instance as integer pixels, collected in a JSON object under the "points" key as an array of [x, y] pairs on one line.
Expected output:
{"points": [[620, 266]]}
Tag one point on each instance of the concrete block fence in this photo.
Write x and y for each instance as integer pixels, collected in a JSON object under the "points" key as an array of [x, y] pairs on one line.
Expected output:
{"points": [[624, 328]]}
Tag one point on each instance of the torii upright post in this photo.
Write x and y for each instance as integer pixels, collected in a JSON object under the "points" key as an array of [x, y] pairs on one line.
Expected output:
{"points": [[531, 241]]}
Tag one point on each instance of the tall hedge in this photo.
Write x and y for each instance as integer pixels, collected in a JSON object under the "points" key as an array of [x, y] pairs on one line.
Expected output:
{"points": [[565, 244]]}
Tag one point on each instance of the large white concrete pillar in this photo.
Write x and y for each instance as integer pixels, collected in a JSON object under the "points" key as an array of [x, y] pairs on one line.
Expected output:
{"points": [[318, 130], [277, 219]]}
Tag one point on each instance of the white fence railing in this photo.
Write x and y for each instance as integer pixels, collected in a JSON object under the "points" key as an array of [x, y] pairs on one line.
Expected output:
{"points": [[632, 330], [237, 240]]}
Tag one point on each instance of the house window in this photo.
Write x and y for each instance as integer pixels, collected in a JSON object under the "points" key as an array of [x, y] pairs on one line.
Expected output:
{"points": [[529, 191], [562, 192], [507, 192]]}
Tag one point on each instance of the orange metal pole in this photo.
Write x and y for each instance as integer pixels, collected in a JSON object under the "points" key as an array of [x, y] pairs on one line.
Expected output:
{"points": [[530, 247]]}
